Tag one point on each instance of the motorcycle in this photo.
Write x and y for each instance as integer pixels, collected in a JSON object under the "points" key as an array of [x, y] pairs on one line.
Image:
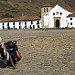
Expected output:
{"points": [[14, 54]]}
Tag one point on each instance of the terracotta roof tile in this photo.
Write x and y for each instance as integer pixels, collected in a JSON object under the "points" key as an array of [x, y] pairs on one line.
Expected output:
{"points": [[64, 8], [21, 18], [71, 15], [47, 5], [73, 9], [70, 10]]}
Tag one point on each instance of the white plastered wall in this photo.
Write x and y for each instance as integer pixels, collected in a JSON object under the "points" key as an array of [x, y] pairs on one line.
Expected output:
{"points": [[50, 17]]}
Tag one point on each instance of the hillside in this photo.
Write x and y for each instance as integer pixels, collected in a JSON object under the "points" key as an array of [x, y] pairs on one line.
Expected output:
{"points": [[30, 7]]}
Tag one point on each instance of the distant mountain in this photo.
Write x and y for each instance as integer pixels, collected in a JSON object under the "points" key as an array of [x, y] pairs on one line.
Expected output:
{"points": [[19, 8]]}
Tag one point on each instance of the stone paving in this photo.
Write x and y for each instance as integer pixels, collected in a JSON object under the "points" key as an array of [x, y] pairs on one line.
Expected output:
{"points": [[49, 52]]}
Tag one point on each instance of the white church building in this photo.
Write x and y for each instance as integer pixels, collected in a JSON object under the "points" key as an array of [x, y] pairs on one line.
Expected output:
{"points": [[56, 17]]}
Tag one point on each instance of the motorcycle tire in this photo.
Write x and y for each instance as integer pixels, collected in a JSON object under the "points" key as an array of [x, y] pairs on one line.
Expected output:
{"points": [[12, 63]]}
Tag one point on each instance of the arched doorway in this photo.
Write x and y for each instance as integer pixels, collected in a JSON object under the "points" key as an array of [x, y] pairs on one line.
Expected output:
{"points": [[57, 23]]}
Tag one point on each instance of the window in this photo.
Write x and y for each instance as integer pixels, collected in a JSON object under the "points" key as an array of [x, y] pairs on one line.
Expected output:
{"points": [[33, 26], [3, 26], [70, 18], [3, 23], [67, 24], [57, 13], [44, 9], [13, 23], [37, 22], [47, 9], [25, 22], [8, 26], [31, 22], [19, 27], [19, 23], [53, 13], [60, 13], [8, 23], [71, 23]]}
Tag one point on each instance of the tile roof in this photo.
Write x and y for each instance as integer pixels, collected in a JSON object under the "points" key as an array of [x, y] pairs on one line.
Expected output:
{"points": [[73, 9], [64, 8], [21, 18], [71, 15], [70, 10], [47, 5]]}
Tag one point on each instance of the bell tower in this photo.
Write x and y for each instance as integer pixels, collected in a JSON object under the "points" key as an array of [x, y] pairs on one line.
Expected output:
{"points": [[44, 12]]}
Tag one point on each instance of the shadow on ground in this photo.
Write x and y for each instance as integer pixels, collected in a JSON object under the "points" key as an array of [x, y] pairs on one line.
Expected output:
{"points": [[2, 65]]}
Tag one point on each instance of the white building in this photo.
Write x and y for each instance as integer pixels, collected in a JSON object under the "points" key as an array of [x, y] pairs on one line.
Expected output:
{"points": [[51, 17], [71, 20], [20, 23], [57, 17]]}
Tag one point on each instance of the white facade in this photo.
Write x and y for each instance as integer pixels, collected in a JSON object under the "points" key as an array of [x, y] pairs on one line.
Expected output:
{"points": [[29, 24], [46, 20], [58, 15], [70, 22]]}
